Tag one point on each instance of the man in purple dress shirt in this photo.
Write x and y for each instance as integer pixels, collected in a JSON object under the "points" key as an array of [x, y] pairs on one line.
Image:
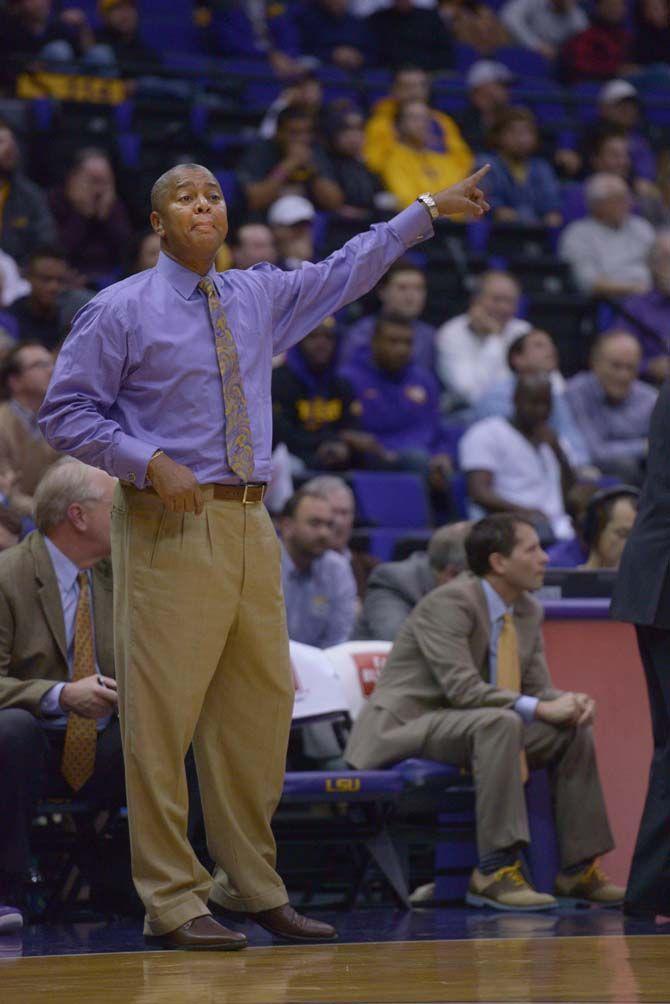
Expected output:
{"points": [[164, 382]]}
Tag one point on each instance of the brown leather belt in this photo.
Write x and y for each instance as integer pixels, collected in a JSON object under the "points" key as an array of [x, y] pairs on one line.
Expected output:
{"points": [[247, 494]]}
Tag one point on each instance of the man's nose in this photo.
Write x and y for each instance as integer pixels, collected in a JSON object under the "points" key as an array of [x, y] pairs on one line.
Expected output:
{"points": [[201, 205]]}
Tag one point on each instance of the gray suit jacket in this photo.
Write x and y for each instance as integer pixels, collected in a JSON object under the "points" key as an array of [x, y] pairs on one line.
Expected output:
{"points": [[33, 653], [440, 660], [393, 590]]}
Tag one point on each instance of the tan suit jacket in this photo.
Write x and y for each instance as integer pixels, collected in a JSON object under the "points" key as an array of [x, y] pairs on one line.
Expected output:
{"points": [[440, 660], [30, 457], [33, 654]]}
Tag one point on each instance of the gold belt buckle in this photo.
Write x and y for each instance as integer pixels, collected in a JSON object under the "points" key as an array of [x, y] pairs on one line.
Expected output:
{"points": [[246, 501]]}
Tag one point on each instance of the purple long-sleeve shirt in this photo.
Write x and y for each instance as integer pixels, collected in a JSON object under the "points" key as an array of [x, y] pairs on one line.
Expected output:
{"points": [[138, 371]]}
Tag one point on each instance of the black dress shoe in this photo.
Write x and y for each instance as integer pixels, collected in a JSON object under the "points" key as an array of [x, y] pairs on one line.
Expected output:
{"points": [[283, 922], [201, 934]]}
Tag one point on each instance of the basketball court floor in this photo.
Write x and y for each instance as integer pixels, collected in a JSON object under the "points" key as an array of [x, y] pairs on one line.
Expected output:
{"points": [[383, 957]]}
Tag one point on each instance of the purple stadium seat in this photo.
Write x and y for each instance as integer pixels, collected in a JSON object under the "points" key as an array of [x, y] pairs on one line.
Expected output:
{"points": [[390, 498], [523, 62]]}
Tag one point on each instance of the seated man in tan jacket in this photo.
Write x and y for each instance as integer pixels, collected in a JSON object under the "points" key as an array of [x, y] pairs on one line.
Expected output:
{"points": [[59, 729], [467, 683]]}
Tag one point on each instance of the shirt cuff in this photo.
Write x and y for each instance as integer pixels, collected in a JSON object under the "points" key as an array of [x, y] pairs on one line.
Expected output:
{"points": [[50, 703], [412, 225], [131, 459], [526, 707]]}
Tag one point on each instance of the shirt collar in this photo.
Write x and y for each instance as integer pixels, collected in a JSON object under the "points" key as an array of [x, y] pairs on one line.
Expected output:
{"points": [[182, 279], [494, 601], [66, 570]]}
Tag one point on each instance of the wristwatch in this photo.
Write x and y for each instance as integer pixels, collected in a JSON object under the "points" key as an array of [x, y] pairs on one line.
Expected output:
{"points": [[429, 204]]}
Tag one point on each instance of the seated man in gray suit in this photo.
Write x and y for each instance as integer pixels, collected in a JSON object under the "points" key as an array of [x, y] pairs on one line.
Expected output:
{"points": [[467, 683], [394, 588], [58, 724]]}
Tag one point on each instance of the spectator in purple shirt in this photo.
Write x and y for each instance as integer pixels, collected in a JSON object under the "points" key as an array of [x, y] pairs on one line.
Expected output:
{"points": [[397, 404], [164, 381], [402, 293], [613, 408], [647, 315], [92, 221]]}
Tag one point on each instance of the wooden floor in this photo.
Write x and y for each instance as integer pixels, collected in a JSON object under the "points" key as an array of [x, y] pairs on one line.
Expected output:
{"points": [[623, 969]]}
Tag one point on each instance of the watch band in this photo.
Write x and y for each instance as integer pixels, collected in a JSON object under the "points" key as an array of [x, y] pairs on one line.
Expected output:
{"points": [[429, 204]]}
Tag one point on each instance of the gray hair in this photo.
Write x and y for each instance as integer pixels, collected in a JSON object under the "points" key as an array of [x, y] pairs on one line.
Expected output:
{"points": [[67, 481], [162, 184], [446, 548], [602, 186], [325, 485]]}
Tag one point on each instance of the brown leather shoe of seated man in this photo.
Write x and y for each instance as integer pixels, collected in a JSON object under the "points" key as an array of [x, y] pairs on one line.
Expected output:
{"points": [[203, 934], [283, 922]]}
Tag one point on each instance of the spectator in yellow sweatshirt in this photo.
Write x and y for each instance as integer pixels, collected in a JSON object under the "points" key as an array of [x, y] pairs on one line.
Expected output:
{"points": [[412, 165], [409, 84]]}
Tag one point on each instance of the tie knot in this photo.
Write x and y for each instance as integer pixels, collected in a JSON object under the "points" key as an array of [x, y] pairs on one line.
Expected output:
{"points": [[507, 618], [82, 580], [207, 286]]}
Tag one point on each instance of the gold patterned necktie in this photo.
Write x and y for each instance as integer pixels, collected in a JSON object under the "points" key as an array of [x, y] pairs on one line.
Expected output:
{"points": [[81, 733], [509, 670], [238, 430]]}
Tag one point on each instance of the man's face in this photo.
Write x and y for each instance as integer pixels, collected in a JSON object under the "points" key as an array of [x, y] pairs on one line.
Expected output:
{"points": [[36, 369], [488, 96], [47, 280], [524, 567], [392, 346], [411, 85], [405, 294], [343, 511], [122, 18], [310, 530], [319, 346], [613, 157], [350, 137], [255, 243], [614, 534], [414, 123], [622, 114], [532, 405], [616, 364], [97, 173], [539, 354], [500, 299], [519, 139], [297, 130], [193, 216], [613, 210], [295, 240], [96, 515], [9, 151]]}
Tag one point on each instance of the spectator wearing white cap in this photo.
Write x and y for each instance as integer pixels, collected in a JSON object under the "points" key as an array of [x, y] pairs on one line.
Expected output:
{"points": [[487, 82], [543, 25], [618, 110], [290, 220], [608, 250]]}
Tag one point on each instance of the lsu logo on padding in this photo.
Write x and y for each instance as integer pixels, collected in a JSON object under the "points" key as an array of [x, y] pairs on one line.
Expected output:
{"points": [[343, 784]]}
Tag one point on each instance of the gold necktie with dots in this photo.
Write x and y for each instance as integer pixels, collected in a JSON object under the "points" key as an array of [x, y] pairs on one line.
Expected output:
{"points": [[81, 733], [238, 430], [509, 671]]}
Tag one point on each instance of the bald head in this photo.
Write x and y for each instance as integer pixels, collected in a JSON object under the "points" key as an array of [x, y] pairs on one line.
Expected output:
{"points": [[163, 185]]}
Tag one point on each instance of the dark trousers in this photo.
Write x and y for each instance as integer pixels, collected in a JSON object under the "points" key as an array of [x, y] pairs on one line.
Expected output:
{"points": [[30, 758], [649, 881]]}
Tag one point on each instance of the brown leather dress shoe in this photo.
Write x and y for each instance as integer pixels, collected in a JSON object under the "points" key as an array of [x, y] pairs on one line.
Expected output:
{"points": [[284, 922], [201, 934]]}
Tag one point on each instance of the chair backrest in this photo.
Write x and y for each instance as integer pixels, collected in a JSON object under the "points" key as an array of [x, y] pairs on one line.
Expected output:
{"points": [[357, 665], [390, 498], [318, 692]]}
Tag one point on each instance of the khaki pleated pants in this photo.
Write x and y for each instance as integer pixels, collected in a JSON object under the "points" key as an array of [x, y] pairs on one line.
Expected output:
{"points": [[201, 655]]}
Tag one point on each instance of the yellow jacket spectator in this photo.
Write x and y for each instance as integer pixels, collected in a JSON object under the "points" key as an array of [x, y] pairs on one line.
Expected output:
{"points": [[409, 84], [411, 163]]}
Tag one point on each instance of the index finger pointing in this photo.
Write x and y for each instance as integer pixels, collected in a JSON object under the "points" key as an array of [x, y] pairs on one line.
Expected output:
{"points": [[481, 173]]}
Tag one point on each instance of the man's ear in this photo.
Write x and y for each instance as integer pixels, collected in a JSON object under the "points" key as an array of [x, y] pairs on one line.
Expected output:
{"points": [[497, 563], [157, 224]]}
